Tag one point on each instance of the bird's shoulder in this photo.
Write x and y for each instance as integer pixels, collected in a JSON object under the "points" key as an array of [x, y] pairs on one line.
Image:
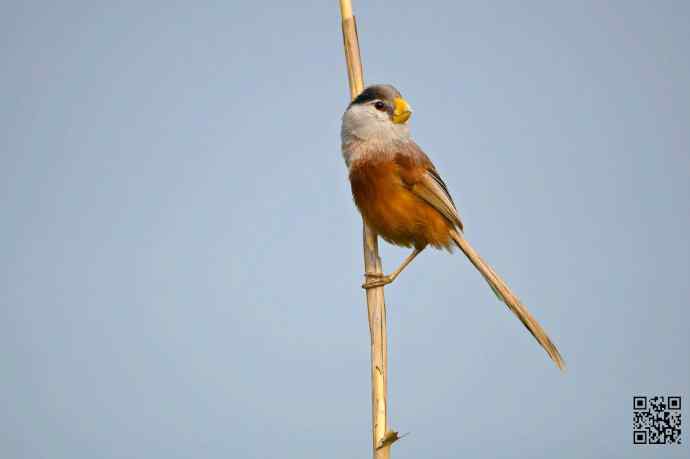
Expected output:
{"points": [[419, 174], [413, 163]]}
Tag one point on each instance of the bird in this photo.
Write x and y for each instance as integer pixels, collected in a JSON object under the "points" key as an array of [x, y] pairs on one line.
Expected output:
{"points": [[403, 199]]}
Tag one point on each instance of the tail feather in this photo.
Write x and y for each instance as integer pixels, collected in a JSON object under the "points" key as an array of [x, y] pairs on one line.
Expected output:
{"points": [[504, 294]]}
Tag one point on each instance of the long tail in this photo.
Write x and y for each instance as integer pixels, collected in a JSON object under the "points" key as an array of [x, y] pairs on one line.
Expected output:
{"points": [[504, 294]]}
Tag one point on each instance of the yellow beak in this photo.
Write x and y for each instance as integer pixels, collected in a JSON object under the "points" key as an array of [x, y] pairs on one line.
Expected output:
{"points": [[402, 111]]}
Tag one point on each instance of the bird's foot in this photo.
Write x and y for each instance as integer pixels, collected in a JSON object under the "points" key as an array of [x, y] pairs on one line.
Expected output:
{"points": [[376, 280]]}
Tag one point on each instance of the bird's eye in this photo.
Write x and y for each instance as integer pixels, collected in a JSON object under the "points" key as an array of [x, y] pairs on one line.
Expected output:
{"points": [[380, 106]]}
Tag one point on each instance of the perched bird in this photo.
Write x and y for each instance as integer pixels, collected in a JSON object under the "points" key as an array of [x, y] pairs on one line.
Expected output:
{"points": [[402, 197]]}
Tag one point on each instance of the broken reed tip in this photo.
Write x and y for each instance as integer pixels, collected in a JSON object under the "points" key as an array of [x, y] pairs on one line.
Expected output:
{"points": [[345, 9], [389, 438]]}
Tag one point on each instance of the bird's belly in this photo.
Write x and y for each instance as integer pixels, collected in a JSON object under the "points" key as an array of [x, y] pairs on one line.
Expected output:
{"points": [[393, 211]]}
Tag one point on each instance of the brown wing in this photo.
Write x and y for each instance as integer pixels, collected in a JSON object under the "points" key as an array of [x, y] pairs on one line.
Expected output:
{"points": [[420, 175]]}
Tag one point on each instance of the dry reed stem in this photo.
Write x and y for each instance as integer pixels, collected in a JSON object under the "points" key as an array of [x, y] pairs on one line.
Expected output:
{"points": [[372, 262]]}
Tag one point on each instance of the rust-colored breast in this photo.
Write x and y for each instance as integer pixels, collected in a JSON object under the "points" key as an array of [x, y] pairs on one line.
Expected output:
{"points": [[382, 191]]}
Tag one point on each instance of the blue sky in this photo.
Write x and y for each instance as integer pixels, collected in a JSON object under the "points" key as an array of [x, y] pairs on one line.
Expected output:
{"points": [[182, 257]]}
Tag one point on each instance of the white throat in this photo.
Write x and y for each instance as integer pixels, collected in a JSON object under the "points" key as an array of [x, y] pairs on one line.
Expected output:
{"points": [[367, 134]]}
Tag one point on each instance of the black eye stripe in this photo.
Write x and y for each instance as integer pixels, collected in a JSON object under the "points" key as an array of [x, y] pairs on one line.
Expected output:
{"points": [[376, 92]]}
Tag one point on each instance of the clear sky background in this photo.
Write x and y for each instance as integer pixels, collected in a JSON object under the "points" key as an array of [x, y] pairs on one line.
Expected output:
{"points": [[181, 257]]}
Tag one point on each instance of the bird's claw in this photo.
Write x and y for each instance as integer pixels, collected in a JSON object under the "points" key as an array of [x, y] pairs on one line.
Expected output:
{"points": [[376, 280]]}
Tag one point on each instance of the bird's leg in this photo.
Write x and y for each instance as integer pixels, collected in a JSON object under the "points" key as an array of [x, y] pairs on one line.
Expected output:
{"points": [[378, 279]]}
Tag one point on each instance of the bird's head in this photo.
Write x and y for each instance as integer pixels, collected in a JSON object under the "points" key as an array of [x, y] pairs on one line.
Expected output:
{"points": [[380, 113]]}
